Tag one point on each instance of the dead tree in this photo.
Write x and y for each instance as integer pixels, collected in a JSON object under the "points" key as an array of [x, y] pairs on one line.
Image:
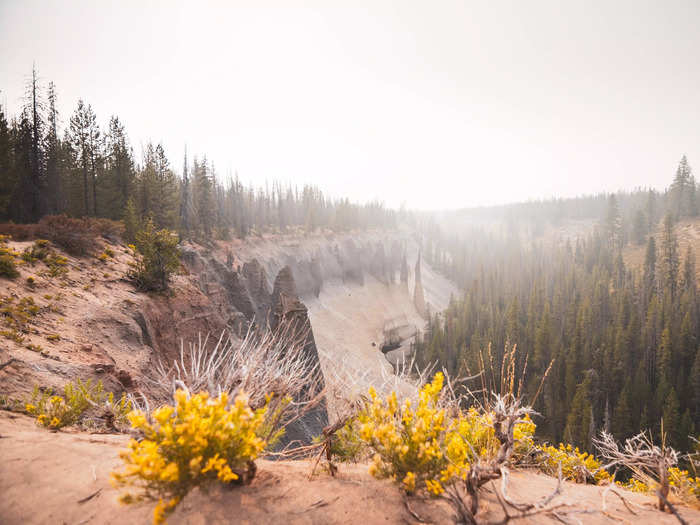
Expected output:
{"points": [[646, 460], [463, 495]]}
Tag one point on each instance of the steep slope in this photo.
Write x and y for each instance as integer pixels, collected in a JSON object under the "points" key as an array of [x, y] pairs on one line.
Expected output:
{"points": [[92, 323]]}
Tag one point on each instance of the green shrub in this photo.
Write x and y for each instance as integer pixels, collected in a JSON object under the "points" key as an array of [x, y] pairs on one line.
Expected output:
{"points": [[38, 251], [158, 257], [8, 268], [54, 411], [57, 264], [15, 316]]}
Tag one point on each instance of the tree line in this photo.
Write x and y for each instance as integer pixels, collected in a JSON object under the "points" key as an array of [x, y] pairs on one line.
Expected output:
{"points": [[87, 170], [622, 339]]}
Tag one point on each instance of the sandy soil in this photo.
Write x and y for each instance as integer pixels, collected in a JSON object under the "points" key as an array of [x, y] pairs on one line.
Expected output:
{"points": [[63, 477]]}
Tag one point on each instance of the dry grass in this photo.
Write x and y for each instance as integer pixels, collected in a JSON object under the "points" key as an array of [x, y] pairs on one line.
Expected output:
{"points": [[267, 364]]}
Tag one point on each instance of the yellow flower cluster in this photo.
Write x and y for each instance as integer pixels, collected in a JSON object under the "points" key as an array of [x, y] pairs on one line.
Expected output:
{"points": [[682, 483], [635, 485], [423, 447], [54, 411], [197, 441], [685, 485], [575, 465], [407, 442]]}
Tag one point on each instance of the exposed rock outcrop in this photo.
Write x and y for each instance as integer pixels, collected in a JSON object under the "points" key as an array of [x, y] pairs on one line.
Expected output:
{"points": [[404, 272], [418, 295], [287, 308]]}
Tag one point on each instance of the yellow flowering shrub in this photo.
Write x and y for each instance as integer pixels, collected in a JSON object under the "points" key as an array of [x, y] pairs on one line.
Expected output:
{"points": [[423, 447], [194, 443], [408, 443], [346, 444], [682, 483], [8, 267], [575, 465], [56, 411], [635, 485]]}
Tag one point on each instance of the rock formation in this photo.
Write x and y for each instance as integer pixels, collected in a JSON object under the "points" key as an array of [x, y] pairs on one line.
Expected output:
{"points": [[289, 309], [404, 273], [418, 296]]}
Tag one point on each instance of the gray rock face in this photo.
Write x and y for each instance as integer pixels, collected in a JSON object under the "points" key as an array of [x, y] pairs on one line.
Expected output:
{"points": [[242, 296], [289, 309], [255, 280], [418, 295]]}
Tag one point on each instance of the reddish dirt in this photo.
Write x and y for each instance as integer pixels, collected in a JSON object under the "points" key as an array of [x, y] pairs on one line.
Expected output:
{"points": [[47, 477]]}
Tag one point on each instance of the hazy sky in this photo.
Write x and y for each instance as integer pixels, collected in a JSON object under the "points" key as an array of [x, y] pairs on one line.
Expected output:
{"points": [[438, 104]]}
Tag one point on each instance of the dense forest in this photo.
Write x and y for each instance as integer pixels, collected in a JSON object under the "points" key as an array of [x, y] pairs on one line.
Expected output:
{"points": [[89, 170], [623, 340]]}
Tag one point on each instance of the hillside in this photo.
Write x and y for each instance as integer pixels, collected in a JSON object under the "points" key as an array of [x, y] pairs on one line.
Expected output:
{"points": [[90, 322], [688, 234]]}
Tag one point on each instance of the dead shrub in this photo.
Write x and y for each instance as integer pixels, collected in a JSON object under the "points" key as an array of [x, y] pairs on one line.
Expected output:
{"points": [[77, 236]]}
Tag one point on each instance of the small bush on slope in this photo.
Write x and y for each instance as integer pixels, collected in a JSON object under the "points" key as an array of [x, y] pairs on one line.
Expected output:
{"points": [[423, 447], [55, 411], [192, 444], [8, 268], [158, 258]]}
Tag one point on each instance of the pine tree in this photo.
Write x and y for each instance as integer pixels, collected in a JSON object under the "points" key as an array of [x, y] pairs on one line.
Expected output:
{"points": [[32, 178], [623, 420], [8, 180], [203, 198], [165, 209], [664, 365], [682, 191], [579, 420], [613, 223], [119, 169], [132, 222], [185, 202], [639, 227], [689, 275], [669, 257], [54, 190], [671, 417], [85, 139], [695, 386]]}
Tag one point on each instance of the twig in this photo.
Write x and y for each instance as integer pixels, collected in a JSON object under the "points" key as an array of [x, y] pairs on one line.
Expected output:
{"points": [[624, 501], [8, 362], [88, 498], [661, 496], [413, 513]]}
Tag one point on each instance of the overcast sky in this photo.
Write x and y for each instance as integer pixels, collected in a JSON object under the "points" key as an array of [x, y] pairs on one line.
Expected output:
{"points": [[435, 104]]}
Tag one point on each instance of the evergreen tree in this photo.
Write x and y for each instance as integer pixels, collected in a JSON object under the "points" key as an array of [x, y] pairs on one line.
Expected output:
{"points": [[54, 191], [579, 420], [682, 191], [613, 223], [85, 139], [639, 227], [185, 202], [119, 169], [672, 418], [203, 198], [8, 180], [669, 257]]}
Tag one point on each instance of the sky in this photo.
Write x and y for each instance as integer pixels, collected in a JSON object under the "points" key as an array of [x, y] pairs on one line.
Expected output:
{"points": [[434, 105]]}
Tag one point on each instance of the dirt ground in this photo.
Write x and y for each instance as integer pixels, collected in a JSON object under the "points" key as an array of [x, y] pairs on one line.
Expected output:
{"points": [[63, 477]]}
